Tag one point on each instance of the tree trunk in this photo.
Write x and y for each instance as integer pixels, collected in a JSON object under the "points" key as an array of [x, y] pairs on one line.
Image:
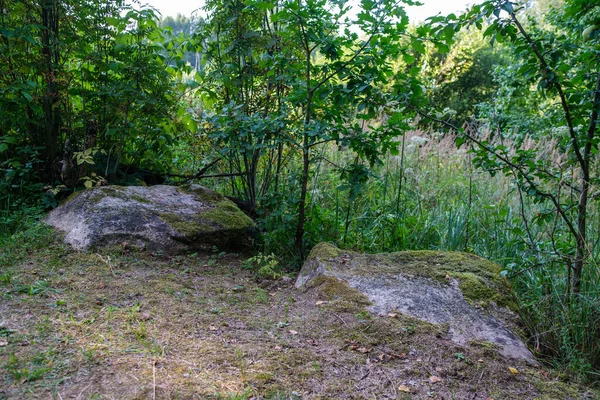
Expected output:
{"points": [[581, 248], [51, 55], [305, 153], [302, 206]]}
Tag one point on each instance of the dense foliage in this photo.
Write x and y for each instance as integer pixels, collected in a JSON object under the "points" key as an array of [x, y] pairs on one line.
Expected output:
{"points": [[331, 121]]}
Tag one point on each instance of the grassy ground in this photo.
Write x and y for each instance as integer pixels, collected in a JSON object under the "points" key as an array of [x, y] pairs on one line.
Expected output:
{"points": [[124, 325]]}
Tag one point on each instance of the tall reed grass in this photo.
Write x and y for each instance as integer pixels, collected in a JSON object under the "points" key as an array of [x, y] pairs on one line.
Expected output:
{"points": [[430, 196]]}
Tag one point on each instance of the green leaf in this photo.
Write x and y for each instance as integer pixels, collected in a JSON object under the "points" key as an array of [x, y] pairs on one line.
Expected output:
{"points": [[508, 7], [408, 58], [8, 33], [418, 46], [27, 96]]}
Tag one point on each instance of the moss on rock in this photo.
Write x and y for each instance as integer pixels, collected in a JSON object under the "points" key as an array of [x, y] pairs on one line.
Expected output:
{"points": [[479, 279], [227, 215], [93, 196], [189, 228], [223, 225], [73, 196], [203, 194], [110, 191], [478, 291], [141, 199], [324, 251], [341, 296], [150, 215]]}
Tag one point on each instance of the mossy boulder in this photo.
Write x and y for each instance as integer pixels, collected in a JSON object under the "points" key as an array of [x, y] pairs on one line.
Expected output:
{"points": [[461, 290], [161, 217]]}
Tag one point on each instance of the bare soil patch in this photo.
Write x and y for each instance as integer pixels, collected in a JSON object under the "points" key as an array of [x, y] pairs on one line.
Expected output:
{"points": [[129, 325]]}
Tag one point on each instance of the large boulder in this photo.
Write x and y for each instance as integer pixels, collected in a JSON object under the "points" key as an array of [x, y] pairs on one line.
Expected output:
{"points": [[161, 217], [463, 291]]}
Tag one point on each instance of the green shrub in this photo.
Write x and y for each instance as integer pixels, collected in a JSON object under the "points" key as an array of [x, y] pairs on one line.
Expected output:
{"points": [[264, 266]]}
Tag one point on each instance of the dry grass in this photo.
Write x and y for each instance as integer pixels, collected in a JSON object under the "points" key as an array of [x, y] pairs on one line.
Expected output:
{"points": [[143, 326]]}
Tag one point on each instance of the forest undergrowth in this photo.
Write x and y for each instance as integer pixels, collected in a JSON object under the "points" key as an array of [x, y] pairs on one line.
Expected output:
{"points": [[473, 132], [431, 196]]}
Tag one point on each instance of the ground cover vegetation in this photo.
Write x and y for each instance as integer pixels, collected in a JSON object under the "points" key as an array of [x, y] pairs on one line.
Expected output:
{"points": [[130, 325], [326, 122]]}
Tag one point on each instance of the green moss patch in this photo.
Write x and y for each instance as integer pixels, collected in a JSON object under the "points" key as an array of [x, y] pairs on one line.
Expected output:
{"points": [[227, 215], [341, 296], [95, 195], [190, 228], [203, 194], [325, 251], [73, 196], [140, 199], [224, 226]]}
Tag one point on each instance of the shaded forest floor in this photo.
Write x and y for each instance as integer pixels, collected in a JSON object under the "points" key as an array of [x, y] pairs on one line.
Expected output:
{"points": [[126, 325]]}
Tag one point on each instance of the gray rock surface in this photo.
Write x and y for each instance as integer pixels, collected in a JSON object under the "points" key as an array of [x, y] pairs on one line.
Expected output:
{"points": [[461, 290], [159, 217]]}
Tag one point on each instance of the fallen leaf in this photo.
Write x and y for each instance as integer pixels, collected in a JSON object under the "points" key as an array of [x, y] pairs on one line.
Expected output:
{"points": [[363, 350], [404, 388], [320, 302], [293, 332], [393, 315], [3, 342], [434, 379], [513, 371]]}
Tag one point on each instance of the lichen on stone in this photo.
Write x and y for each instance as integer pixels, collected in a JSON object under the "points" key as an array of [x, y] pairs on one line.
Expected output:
{"points": [[140, 199], [112, 191]]}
